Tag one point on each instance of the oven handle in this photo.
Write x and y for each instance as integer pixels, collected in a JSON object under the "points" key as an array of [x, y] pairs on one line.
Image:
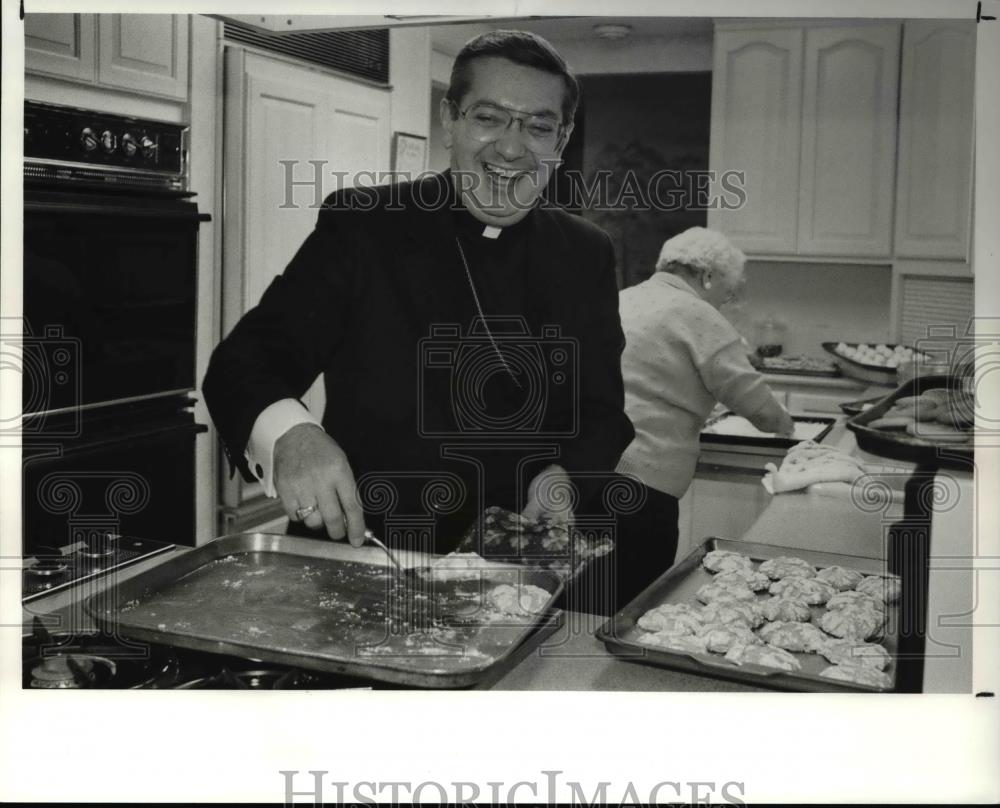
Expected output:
{"points": [[132, 436], [114, 208]]}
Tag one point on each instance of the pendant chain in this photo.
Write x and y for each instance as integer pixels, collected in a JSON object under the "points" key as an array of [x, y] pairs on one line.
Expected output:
{"points": [[482, 316]]}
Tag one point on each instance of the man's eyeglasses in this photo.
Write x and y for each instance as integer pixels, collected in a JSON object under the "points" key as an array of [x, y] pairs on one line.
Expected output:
{"points": [[488, 122]]}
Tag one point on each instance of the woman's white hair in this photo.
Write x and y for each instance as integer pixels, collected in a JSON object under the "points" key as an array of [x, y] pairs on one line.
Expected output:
{"points": [[701, 249]]}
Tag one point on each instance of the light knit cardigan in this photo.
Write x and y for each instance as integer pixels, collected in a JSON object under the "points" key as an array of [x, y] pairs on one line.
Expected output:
{"points": [[681, 357]]}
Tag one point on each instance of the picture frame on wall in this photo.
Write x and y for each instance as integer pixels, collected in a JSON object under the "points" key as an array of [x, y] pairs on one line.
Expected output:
{"points": [[409, 155]]}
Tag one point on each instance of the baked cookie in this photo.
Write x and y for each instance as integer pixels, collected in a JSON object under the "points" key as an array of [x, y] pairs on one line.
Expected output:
{"points": [[669, 621], [720, 637], [709, 593], [733, 612], [858, 674], [767, 655], [851, 623], [808, 589], [518, 600], [786, 566], [840, 578], [689, 643], [855, 599], [848, 652], [725, 560], [786, 609], [884, 588], [799, 637], [756, 581]]}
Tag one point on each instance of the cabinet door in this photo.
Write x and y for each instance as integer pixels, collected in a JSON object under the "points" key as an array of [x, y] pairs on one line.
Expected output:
{"points": [[756, 111], [144, 52], [60, 45], [288, 129], [935, 139], [848, 140]]}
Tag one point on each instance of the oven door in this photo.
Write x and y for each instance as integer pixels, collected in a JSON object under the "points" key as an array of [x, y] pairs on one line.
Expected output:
{"points": [[110, 284], [132, 474]]}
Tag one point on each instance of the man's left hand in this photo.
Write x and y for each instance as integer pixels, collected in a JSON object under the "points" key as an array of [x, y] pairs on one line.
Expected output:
{"points": [[550, 494]]}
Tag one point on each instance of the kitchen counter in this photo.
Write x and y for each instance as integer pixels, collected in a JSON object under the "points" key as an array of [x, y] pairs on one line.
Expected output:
{"points": [[572, 658]]}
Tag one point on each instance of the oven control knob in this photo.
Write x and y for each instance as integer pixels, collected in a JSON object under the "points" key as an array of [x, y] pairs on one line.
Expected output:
{"points": [[148, 147], [108, 141], [129, 145], [88, 139]]}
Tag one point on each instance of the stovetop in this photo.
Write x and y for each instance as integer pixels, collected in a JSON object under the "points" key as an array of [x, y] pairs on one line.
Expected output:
{"points": [[45, 573], [95, 661]]}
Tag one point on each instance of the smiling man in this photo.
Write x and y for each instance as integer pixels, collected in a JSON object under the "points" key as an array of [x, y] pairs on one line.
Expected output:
{"points": [[469, 337]]}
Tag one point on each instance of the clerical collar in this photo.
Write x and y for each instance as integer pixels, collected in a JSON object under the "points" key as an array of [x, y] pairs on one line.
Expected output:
{"points": [[471, 226]]}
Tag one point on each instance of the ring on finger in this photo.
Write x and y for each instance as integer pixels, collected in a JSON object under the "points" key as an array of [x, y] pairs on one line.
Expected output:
{"points": [[302, 513]]}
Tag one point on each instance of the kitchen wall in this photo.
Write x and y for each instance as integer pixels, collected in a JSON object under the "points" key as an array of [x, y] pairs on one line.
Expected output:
{"points": [[818, 303]]}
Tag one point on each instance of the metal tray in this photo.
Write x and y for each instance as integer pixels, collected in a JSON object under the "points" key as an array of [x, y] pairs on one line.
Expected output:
{"points": [[326, 606], [762, 365], [855, 407], [775, 442], [901, 445], [679, 584], [861, 370]]}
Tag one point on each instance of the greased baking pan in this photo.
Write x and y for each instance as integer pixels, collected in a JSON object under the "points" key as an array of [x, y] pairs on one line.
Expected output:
{"points": [[899, 444], [325, 606], [678, 585]]}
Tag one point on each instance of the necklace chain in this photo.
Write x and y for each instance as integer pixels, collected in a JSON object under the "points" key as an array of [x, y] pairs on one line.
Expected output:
{"points": [[482, 317]]}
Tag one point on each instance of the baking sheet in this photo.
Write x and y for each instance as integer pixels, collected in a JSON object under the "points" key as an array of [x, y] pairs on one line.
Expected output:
{"points": [[898, 443], [326, 606], [678, 585], [732, 428]]}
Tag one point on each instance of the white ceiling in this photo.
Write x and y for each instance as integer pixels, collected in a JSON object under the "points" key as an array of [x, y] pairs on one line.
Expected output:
{"points": [[450, 38]]}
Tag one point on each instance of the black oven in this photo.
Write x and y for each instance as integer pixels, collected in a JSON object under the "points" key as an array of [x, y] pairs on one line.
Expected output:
{"points": [[107, 343]]}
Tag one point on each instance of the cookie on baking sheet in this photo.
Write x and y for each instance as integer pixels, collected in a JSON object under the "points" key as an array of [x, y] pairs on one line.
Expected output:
{"points": [[840, 578], [885, 588], [708, 593], [786, 609], [851, 623], [757, 581], [720, 637], [747, 613], [767, 655], [808, 589], [799, 637], [785, 566], [855, 599], [669, 621], [725, 560], [854, 652], [689, 643], [858, 674]]}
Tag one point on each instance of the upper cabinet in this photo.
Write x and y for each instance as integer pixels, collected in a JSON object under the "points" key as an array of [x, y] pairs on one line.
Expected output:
{"points": [[139, 53], [807, 113], [934, 190], [756, 127], [847, 163]]}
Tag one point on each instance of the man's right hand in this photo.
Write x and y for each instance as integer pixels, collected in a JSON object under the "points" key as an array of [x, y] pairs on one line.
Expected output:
{"points": [[311, 469]]}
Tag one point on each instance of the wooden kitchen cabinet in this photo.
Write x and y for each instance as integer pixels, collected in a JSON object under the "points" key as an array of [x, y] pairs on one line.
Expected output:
{"points": [[847, 163], [934, 190], [292, 136], [756, 121], [61, 45], [146, 54], [808, 112]]}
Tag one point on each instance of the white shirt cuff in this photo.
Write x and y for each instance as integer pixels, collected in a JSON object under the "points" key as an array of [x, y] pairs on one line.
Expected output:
{"points": [[273, 422]]}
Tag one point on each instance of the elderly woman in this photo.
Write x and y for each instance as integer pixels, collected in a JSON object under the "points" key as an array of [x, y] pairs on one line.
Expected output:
{"points": [[681, 357]]}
